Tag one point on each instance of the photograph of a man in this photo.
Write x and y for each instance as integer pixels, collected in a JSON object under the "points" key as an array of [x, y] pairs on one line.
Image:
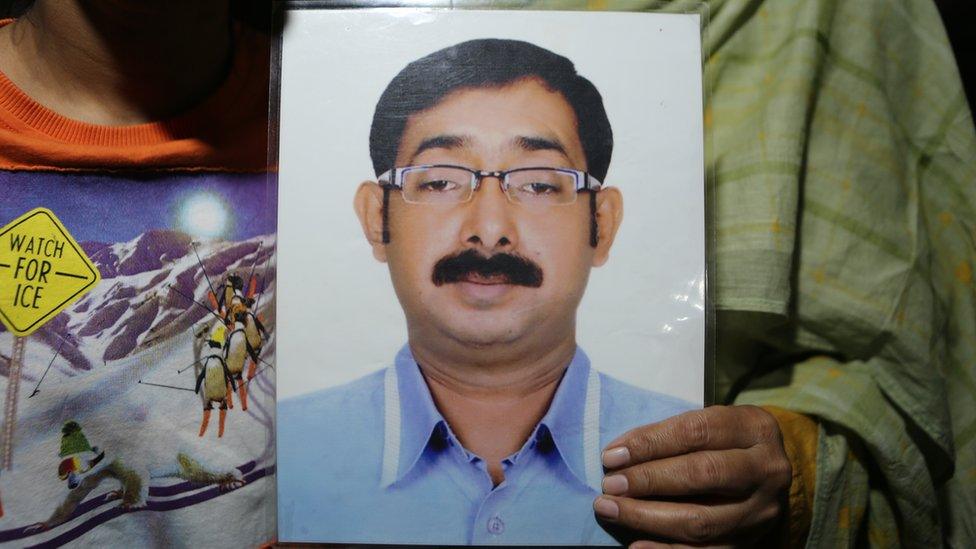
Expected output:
{"points": [[490, 209]]}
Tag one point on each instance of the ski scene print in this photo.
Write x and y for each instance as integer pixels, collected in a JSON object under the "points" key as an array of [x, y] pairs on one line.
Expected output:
{"points": [[148, 400]]}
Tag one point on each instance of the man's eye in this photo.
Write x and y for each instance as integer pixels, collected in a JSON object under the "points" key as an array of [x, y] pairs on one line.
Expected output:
{"points": [[438, 186], [540, 188]]}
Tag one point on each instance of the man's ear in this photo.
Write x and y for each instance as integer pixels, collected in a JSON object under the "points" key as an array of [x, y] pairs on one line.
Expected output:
{"points": [[368, 204], [609, 215]]}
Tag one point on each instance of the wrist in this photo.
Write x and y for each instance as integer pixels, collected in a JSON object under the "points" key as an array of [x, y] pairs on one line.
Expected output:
{"points": [[800, 436]]}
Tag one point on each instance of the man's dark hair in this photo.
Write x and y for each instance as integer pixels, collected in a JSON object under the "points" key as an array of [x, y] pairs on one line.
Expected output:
{"points": [[488, 63]]}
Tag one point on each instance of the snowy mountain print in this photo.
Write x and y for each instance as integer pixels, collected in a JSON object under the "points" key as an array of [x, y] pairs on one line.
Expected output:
{"points": [[144, 296], [114, 374]]}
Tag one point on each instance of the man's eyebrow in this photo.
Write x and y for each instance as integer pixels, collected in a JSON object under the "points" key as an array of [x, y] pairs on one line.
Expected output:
{"points": [[540, 144], [441, 142]]}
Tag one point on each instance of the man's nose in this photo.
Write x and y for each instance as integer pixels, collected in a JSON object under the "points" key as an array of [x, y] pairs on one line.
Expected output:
{"points": [[489, 218]]}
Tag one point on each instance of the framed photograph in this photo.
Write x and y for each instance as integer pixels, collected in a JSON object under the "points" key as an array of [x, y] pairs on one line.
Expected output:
{"points": [[491, 264]]}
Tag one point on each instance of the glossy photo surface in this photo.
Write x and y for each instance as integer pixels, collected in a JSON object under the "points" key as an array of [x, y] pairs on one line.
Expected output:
{"points": [[491, 265]]}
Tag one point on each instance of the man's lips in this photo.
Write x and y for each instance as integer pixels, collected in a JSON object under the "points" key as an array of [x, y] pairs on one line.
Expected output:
{"points": [[481, 292], [495, 280]]}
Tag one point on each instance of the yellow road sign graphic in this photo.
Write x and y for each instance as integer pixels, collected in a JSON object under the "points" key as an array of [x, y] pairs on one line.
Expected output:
{"points": [[42, 271]]}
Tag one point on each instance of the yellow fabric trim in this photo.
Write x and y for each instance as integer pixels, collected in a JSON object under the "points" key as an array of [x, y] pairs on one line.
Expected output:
{"points": [[800, 436]]}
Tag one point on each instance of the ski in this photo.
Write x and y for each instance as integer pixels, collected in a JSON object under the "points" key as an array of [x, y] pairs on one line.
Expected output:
{"points": [[193, 493]]}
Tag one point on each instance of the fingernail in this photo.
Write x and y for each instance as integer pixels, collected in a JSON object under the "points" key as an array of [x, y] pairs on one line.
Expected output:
{"points": [[616, 457], [615, 485], [606, 508]]}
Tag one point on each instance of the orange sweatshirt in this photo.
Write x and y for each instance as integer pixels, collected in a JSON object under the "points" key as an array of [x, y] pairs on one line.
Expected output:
{"points": [[228, 131]]}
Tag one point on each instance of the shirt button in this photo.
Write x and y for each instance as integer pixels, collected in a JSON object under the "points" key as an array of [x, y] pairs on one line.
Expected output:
{"points": [[496, 526]]}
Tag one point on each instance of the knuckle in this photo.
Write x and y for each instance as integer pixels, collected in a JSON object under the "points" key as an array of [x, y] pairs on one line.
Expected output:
{"points": [[696, 429], [775, 465], [642, 479], [765, 425], [699, 525], [768, 513], [782, 464], [781, 470], [710, 470], [639, 442]]}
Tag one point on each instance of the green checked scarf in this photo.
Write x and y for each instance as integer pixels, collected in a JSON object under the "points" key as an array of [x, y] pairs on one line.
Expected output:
{"points": [[844, 159]]}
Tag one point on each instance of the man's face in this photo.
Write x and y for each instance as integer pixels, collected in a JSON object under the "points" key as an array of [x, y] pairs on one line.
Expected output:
{"points": [[519, 125]]}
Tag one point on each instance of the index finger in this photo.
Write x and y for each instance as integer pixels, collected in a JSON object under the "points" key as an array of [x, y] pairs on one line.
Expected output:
{"points": [[713, 428]]}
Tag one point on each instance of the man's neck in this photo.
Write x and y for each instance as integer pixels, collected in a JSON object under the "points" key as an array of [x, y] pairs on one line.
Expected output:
{"points": [[118, 63], [493, 406]]}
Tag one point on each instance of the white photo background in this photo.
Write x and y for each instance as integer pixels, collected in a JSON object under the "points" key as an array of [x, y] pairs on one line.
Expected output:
{"points": [[642, 319]]}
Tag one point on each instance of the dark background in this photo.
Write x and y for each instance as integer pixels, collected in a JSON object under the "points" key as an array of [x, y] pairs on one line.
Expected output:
{"points": [[959, 17]]}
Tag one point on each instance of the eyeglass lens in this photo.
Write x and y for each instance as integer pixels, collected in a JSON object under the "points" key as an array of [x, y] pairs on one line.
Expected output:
{"points": [[454, 185]]}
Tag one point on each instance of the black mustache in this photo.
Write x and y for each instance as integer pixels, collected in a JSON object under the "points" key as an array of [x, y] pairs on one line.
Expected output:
{"points": [[516, 269]]}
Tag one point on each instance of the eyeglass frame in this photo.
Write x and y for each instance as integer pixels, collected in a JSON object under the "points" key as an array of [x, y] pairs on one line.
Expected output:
{"points": [[582, 179]]}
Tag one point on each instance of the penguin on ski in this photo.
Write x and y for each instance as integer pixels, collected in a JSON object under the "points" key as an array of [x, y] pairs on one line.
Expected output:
{"points": [[232, 287], [255, 333], [237, 305], [214, 381], [236, 352]]}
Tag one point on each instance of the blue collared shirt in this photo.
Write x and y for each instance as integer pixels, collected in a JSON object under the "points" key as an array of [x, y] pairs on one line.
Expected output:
{"points": [[374, 461]]}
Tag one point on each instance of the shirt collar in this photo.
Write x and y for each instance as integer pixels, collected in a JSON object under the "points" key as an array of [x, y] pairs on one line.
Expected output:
{"points": [[412, 420], [419, 417], [569, 419]]}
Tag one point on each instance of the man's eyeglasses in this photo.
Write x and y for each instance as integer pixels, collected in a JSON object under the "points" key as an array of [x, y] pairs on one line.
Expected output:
{"points": [[443, 184]]}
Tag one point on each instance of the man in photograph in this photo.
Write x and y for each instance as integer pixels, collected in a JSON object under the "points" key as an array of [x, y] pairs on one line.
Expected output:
{"points": [[489, 209]]}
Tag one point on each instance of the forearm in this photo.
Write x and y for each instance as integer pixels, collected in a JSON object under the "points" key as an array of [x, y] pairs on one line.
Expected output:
{"points": [[873, 476]]}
